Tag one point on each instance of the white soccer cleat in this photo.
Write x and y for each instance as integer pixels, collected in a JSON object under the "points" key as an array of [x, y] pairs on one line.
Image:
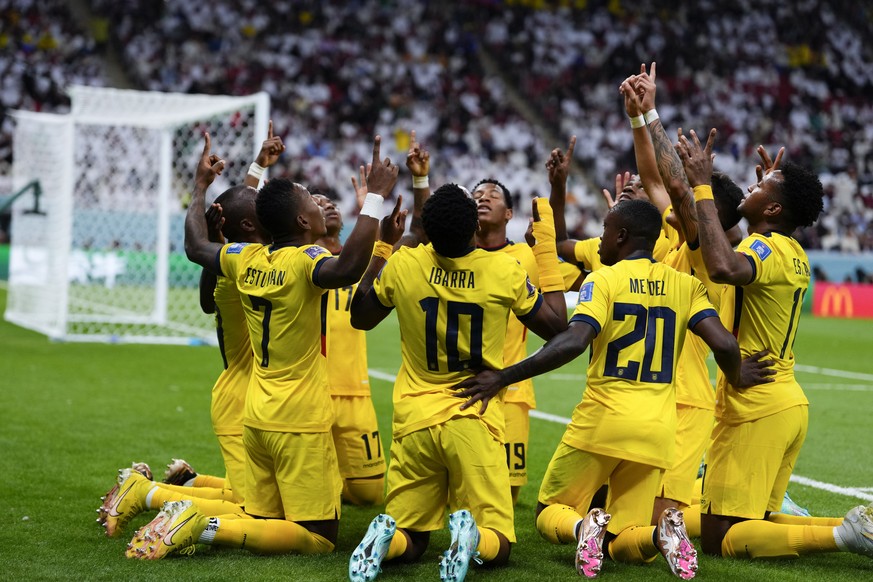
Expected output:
{"points": [[674, 544], [455, 561], [365, 563], [589, 550], [855, 534]]}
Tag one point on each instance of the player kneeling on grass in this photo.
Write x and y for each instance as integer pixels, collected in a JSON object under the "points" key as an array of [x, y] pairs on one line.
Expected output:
{"points": [[453, 302], [634, 313]]}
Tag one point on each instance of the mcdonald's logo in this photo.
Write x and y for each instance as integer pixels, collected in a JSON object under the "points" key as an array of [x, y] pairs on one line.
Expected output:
{"points": [[837, 301]]}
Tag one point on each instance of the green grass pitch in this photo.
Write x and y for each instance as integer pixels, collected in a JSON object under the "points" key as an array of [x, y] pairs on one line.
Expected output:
{"points": [[72, 414]]}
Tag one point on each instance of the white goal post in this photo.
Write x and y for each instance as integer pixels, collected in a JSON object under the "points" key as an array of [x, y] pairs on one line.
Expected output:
{"points": [[102, 258]]}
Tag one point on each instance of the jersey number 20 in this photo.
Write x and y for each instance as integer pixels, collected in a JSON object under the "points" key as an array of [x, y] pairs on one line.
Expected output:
{"points": [[645, 327]]}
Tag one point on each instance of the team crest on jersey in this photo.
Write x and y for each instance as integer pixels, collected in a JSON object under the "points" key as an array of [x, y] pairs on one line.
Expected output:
{"points": [[531, 290], [586, 292], [315, 251], [761, 249], [235, 248]]}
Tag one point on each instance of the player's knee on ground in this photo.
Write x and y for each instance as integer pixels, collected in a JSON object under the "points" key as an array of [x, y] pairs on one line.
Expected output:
{"points": [[364, 492], [494, 547]]}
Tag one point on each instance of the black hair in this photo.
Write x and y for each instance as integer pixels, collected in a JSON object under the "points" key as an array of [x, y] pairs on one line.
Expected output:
{"points": [[237, 203], [450, 220], [507, 195], [728, 196], [801, 195], [640, 218], [277, 206]]}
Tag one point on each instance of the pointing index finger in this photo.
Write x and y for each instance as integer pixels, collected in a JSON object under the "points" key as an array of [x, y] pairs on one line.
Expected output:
{"points": [[270, 130], [376, 143], [571, 147]]}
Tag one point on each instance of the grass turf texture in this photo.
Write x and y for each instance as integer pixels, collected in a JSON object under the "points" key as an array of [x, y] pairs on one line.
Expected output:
{"points": [[72, 414]]}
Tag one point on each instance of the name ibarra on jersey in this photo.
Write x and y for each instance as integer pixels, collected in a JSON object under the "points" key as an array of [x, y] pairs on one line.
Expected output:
{"points": [[646, 287], [260, 278], [456, 279]]}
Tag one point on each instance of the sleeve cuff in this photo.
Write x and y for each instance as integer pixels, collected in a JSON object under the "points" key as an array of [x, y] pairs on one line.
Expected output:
{"points": [[317, 268], [698, 317], [754, 268], [583, 318], [529, 315]]}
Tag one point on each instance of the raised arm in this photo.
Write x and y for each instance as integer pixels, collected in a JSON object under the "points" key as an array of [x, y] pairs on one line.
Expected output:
{"points": [[644, 151], [271, 149], [558, 166], [198, 247], [561, 349], [723, 264], [552, 315], [669, 164], [366, 309], [418, 162], [351, 263], [208, 280]]}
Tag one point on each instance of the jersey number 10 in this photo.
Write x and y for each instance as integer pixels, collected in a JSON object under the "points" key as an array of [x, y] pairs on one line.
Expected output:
{"points": [[455, 309]]}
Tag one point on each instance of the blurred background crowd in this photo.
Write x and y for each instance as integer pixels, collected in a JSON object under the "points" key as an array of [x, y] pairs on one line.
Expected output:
{"points": [[490, 86]]}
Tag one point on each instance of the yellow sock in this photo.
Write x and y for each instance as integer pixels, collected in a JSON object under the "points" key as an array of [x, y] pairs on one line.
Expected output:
{"points": [[269, 536], [764, 539], [201, 492], [364, 492], [692, 520], [209, 507], [800, 520], [209, 481], [557, 523], [489, 544], [697, 492], [634, 545], [398, 546]]}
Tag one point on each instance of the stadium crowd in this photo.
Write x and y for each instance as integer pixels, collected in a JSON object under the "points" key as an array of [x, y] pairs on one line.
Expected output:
{"points": [[747, 72]]}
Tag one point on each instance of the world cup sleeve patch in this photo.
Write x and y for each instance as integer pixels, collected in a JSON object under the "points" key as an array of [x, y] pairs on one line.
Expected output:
{"points": [[586, 292], [761, 249], [315, 251], [531, 290], [235, 248]]}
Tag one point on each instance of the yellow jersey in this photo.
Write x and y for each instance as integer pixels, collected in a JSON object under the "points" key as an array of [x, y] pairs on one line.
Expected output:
{"points": [[765, 314], [453, 315], [346, 347], [515, 348], [640, 309], [229, 391], [285, 316]]}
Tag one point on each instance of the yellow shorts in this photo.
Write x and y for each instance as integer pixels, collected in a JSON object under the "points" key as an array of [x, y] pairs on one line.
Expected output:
{"points": [[748, 464], [516, 433], [573, 476], [356, 437], [291, 476], [693, 430], [234, 454], [458, 464]]}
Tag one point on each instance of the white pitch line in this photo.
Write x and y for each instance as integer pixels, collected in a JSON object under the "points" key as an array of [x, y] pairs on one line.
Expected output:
{"points": [[835, 373], [858, 493]]}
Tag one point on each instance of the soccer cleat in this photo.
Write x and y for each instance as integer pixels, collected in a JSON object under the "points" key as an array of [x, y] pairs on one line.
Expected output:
{"points": [[176, 528], [366, 560], [589, 550], [141, 468], [674, 544], [124, 502], [789, 507], [178, 472], [465, 539], [855, 534]]}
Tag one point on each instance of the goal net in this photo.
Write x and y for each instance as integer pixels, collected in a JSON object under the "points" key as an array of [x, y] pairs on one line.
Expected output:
{"points": [[97, 249]]}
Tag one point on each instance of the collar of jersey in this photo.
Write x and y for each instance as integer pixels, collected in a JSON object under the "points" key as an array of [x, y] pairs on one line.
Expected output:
{"points": [[497, 248], [647, 257], [275, 247]]}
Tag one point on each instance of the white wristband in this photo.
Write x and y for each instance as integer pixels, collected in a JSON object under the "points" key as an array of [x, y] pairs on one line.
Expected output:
{"points": [[638, 121], [256, 170], [651, 115], [420, 182], [372, 205]]}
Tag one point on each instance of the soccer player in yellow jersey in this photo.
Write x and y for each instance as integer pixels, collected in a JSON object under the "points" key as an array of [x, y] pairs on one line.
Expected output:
{"points": [[494, 210], [453, 302], [292, 477], [761, 428], [355, 428], [634, 313]]}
